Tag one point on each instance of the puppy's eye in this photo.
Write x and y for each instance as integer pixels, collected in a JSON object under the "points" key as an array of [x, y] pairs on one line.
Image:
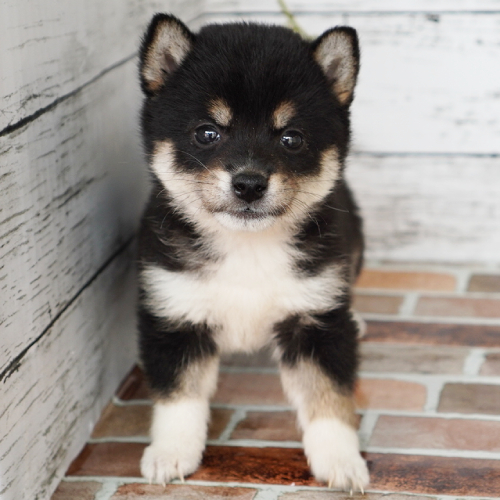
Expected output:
{"points": [[292, 139], [206, 135]]}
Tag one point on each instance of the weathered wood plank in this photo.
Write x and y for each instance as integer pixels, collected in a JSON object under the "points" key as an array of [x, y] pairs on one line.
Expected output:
{"points": [[51, 48], [427, 83], [429, 209], [229, 6], [70, 186], [49, 406]]}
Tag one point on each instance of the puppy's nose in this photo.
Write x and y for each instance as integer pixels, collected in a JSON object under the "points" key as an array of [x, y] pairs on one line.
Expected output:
{"points": [[249, 187]]}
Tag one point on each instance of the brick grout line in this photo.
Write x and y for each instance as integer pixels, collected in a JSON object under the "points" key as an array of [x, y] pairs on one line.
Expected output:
{"points": [[463, 277], [456, 320], [482, 417], [120, 439], [238, 416], [434, 389], [107, 490], [131, 402], [474, 361], [409, 304], [267, 494], [425, 378], [435, 452], [365, 431]]}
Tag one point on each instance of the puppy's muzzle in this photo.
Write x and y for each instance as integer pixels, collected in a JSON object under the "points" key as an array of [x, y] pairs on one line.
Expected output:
{"points": [[249, 186]]}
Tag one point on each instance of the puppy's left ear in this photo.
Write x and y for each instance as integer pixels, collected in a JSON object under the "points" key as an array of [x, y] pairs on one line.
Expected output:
{"points": [[337, 52], [165, 45]]}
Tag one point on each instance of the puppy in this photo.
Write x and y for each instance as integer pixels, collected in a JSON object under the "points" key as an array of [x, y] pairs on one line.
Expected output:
{"points": [[251, 237]]}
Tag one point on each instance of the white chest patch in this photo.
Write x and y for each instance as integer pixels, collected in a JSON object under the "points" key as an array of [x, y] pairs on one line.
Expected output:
{"points": [[243, 294]]}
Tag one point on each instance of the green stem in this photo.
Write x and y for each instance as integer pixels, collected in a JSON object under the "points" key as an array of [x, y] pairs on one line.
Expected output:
{"points": [[291, 20]]}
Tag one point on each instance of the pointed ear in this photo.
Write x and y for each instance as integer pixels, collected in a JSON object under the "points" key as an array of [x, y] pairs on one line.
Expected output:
{"points": [[337, 52], [165, 45]]}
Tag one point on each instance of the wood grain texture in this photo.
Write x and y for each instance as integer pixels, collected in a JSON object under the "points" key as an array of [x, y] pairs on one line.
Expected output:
{"points": [[71, 195], [441, 209], [51, 48], [49, 406]]}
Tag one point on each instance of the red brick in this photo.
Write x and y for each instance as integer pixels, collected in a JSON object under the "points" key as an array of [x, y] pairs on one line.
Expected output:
{"points": [[470, 398], [121, 421], [268, 426], [458, 307], [434, 475], [342, 495], [249, 388], [486, 283], [84, 490], [436, 433], [135, 420], [134, 386], [181, 492], [432, 333], [491, 365], [390, 394], [219, 418], [383, 357], [378, 304], [371, 278]]}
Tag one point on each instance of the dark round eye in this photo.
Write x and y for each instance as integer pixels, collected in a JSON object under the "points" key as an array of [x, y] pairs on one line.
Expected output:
{"points": [[206, 135], [292, 139]]}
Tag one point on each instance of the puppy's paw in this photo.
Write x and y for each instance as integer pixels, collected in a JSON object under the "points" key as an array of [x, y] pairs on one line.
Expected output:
{"points": [[161, 464], [332, 450]]}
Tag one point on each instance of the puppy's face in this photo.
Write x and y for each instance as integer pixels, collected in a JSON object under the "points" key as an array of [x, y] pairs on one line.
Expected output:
{"points": [[246, 125]]}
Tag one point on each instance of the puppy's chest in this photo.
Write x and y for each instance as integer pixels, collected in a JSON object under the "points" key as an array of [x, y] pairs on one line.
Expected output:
{"points": [[252, 286]]}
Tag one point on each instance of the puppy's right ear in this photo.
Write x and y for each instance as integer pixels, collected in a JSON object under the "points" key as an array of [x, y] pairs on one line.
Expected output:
{"points": [[165, 45]]}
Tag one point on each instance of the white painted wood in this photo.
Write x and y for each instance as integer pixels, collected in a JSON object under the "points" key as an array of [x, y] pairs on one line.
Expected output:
{"points": [[50, 405], [214, 6], [429, 209], [50, 48], [71, 193]]}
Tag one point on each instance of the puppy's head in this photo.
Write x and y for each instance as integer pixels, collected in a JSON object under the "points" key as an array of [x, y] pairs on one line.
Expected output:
{"points": [[246, 125]]}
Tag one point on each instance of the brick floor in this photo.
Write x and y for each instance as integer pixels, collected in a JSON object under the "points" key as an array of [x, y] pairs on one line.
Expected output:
{"points": [[428, 398], [181, 492], [484, 283]]}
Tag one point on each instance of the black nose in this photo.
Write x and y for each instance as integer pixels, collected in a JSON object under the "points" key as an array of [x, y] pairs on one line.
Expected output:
{"points": [[249, 187]]}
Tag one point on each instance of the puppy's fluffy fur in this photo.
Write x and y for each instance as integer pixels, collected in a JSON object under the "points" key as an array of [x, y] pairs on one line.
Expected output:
{"points": [[251, 236]]}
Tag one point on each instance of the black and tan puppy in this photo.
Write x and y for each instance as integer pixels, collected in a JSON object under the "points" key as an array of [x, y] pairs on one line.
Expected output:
{"points": [[251, 237]]}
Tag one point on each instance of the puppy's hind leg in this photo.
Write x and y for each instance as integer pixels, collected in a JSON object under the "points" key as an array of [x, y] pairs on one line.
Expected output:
{"points": [[318, 364], [182, 366]]}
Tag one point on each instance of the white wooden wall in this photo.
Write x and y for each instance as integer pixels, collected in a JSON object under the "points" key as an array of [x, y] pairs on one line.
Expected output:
{"points": [[426, 119], [72, 186]]}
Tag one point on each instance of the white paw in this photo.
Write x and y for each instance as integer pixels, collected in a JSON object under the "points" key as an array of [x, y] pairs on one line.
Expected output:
{"points": [[332, 450], [161, 465], [178, 434]]}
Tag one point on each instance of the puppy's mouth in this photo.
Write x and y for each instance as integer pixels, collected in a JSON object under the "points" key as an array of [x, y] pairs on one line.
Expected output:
{"points": [[248, 214]]}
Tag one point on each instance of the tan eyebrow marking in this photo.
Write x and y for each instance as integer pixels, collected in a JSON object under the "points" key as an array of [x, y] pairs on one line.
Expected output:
{"points": [[220, 112], [283, 114]]}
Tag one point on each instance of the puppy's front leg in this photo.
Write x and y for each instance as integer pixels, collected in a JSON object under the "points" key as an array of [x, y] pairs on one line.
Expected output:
{"points": [[318, 369], [181, 365]]}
